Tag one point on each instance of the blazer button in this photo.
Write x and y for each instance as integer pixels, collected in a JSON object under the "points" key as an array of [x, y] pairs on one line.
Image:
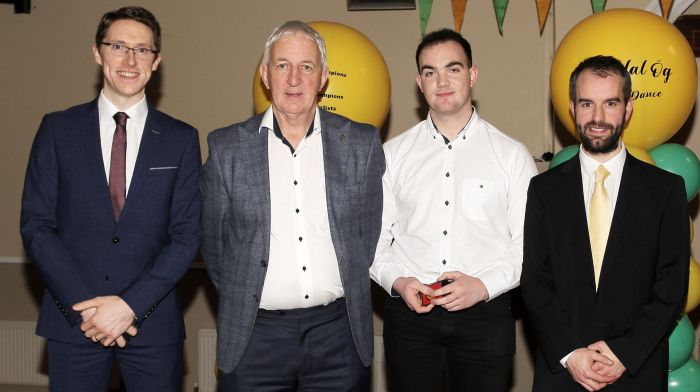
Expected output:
{"points": [[263, 263], [115, 240], [255, 298]]}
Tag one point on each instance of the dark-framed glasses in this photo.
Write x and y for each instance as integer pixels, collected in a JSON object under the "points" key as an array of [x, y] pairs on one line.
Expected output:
{"points": [[120, 50]]}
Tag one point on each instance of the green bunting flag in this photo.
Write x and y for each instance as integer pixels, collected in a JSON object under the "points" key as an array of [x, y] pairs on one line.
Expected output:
{"points": [[598, 5], [425, 6], [500, 7]]}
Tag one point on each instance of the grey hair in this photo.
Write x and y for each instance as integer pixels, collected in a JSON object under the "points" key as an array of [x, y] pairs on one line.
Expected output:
{"points": [[292, 27]]}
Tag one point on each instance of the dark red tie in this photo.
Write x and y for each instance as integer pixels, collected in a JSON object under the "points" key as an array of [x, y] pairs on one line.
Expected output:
{"points": [[117, 168]]}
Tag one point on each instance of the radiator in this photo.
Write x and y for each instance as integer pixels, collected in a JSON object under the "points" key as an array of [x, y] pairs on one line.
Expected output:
{"points": [[207, 360], [21, 354], [207, 364]]}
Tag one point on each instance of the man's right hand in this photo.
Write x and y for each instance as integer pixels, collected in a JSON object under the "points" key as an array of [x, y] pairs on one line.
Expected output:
{"points": [[408, 289], [580, 366], [120, 341]]}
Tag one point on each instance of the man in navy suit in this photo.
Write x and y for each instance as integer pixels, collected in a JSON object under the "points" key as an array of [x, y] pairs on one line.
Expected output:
{"points": [[110, 218]]}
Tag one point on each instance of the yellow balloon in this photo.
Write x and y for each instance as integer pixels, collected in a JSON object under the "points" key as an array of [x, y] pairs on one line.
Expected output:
{"points": [[640, 154], [358, 84], [693, 286], [657, 56]]}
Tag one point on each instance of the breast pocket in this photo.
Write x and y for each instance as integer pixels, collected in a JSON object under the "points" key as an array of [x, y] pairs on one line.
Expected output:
{"points": [[479, 199]]}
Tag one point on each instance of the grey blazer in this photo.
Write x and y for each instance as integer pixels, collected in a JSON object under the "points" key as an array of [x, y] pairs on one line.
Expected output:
{"points": [[236, 223]]}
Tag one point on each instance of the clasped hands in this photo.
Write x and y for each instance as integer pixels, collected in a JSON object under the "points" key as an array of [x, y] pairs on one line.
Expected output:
{"points": [[595, 366], [106, 319], [463, 293]]}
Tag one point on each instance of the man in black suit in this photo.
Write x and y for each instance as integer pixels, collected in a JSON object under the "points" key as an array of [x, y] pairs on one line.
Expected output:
{"points": [[605, 269], [110, 218]]}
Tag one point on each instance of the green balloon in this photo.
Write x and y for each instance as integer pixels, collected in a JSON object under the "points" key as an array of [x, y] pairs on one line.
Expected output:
{"points": [[679, 160], [685, 379], [681, 344], [563, 155]]}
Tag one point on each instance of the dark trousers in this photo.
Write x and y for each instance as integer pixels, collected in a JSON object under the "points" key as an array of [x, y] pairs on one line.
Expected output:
{"points": [[474, 347], [88, 367], [300, 350]]}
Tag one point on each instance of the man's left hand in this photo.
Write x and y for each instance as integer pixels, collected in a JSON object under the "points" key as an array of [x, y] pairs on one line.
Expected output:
{"points": [[616, 370], [112, 318], [463, 293]]}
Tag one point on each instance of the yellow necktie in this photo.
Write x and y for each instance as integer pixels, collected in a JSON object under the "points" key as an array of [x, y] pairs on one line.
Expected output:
{"points": [[599, 220]]}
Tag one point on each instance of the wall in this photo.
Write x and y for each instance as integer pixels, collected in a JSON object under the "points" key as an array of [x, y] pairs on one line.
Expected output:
{"points": [[210, 50]]}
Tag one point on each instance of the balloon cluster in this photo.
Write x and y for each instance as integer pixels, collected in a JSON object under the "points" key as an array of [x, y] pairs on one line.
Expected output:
{"points": [[664, 81]]}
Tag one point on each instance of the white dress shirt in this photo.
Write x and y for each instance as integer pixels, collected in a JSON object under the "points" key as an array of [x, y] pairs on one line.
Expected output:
{"points": [[454, 207], [612, 185], [303, 268], [134, 131]]}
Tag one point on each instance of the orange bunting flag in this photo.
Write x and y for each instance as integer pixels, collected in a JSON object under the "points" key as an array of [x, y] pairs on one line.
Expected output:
{"points": [[542, 12], [666, 7], [458, 8]]}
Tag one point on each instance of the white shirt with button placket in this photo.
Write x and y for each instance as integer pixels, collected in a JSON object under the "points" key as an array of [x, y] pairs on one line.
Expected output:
{"points": [[303, 268], [454, 207]]}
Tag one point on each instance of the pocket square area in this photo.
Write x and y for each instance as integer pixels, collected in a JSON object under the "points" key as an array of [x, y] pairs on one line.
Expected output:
{"points": [[163, 168]]}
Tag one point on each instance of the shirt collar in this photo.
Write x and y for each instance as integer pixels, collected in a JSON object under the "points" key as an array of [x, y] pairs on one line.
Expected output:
{"points": [[614, 164], [268, 122], [437, 135], [107, 109]]}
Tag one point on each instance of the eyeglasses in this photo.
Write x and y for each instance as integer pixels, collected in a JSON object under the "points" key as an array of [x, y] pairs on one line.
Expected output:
{"points": [[121, 51]]}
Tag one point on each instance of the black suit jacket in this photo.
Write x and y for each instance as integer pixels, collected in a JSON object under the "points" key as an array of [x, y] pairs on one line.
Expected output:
{"points": [[643, 281], [71, 236]]}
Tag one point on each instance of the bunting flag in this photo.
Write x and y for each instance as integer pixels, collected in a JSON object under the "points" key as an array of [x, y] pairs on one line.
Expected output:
{"points": [[542, 12], [500, 6], [598, 5], [666, 7], [425, 6], [458, 7]]}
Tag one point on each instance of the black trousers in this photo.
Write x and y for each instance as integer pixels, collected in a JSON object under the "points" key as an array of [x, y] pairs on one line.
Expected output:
{"points": [[300, 350], [474, 347]]}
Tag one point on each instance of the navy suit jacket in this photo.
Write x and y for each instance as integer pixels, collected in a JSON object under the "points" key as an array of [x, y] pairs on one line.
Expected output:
{"points": [[236, 222], [643, 280], [70, 233]]}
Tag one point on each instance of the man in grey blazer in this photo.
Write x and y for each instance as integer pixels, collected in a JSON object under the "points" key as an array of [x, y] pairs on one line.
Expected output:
{"points": [[292, 202]]}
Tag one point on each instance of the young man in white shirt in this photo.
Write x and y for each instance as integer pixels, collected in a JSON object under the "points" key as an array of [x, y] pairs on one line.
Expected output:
{"points": [[454, 202]]}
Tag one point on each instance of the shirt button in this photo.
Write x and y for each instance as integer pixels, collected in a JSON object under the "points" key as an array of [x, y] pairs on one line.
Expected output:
{"points": [[444, 262], [303, 268], [294, 155], [295, 182], [301, 238], [306, 296], [447, 174], [450, 146], [106, 278], [447, 203], [444, 232], [297, 210], [115, 240]]}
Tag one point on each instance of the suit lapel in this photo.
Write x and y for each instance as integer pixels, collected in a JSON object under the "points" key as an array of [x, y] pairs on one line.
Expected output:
{"points": [[256, 166], [630, 200], [336, 148], [90, 135], [579, 222], [150, 139]]}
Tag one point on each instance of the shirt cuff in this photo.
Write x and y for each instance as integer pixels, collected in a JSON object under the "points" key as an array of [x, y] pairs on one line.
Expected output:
{"points": [[563, 360], [493, 281], [388, 278]]}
